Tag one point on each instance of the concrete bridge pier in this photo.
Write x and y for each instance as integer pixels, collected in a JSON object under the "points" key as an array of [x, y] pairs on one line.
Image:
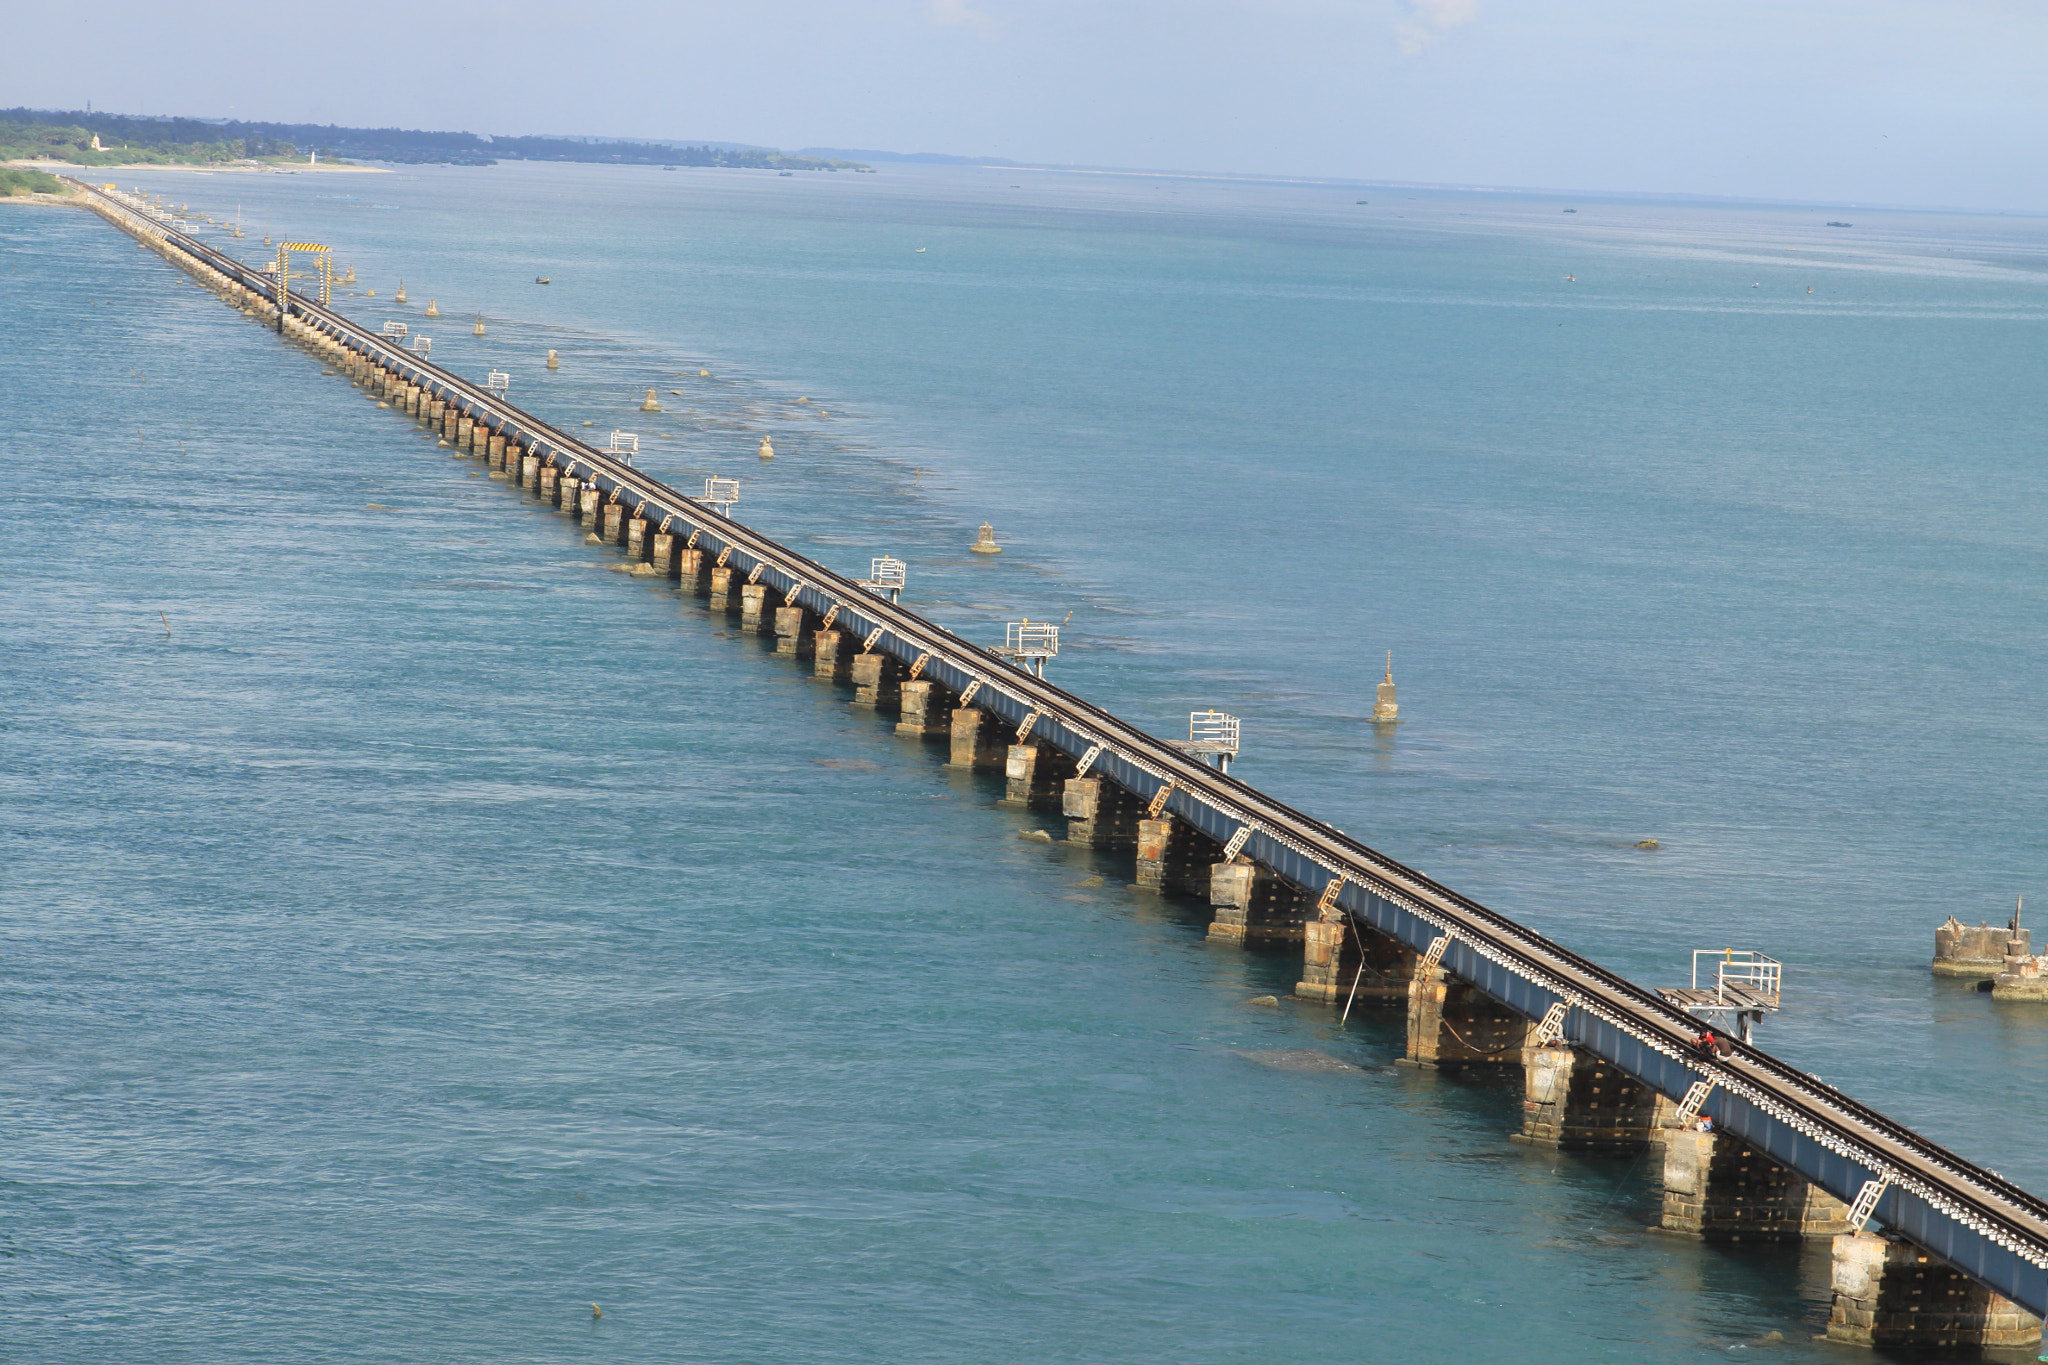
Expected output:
{"points": [[756, 616], [529, 470], [828, 655], [1353, 964], [592, 507], [878, 680], [570, 491], [494, 451], [614, 532], [1034, 775], [723, 598], [693, 571], [664, 554], [1453, 1025], [1100, 814], [636, 539], [1575, 1101], [792, 631], [926, 709], [463, 427], [1174, 856], [1720, 1189], [977, 739], [1250, 901], [550, 484], [1892, 1294]]}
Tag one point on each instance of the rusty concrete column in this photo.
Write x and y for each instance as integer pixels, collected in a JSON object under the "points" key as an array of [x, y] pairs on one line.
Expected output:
{"points": [[614, 531], [1720, 1189], [976, 739], [1452, 1024], [878, 680], [463, 426], [756, 616], [1892, 1294], [828, 655], [592, 506], [636, 538], [529, 472], [550, 484], [926, 709], [1100, 814], [664, 554], [1173, 855], [569, 489], [722, 595]]}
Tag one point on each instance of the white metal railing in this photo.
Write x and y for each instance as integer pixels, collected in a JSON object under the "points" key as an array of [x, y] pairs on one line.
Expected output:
{"points": [[1029, 644], [625, 445], [1757, 975], [392, 327], [886, 577], [722, 494], [498, 382], [1211, 734], [423, 346]]}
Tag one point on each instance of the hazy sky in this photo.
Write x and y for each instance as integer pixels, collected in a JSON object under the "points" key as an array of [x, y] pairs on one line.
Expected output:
{"points": [[1902, 101]]}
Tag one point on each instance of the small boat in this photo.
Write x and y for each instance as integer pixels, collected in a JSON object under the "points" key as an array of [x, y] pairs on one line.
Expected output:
{"points": [[542, 279], [920, 249]]}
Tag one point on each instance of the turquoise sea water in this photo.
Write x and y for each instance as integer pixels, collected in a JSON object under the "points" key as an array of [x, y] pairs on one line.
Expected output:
{"points": [[433, 933]]}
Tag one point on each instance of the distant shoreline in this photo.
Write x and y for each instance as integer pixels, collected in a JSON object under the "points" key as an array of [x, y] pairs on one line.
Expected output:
{"points": [[215, 168]]}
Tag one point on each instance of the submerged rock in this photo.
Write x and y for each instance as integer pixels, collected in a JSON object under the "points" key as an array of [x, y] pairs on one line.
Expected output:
{"points": [[1036, 836], [1297, 1059]]}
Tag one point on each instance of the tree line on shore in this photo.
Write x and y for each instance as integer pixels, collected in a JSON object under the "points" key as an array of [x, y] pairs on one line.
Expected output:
{"points": [[89, 138]]}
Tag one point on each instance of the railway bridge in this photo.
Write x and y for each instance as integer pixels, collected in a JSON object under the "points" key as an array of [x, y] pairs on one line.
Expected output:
{"points": [[1930, 1250]]}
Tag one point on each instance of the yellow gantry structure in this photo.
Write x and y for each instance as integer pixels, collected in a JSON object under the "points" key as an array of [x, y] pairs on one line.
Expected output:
{"points": [[326, 255]]}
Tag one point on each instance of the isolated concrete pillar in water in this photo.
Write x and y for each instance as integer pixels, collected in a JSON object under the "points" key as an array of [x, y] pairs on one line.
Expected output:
{"points": [[828, 654], [1720, 1189], [878, 679], [1890, 1293], [925, 709]]}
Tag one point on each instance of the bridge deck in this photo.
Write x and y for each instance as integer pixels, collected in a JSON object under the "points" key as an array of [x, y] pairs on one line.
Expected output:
{"points": [[1982, 1224]]}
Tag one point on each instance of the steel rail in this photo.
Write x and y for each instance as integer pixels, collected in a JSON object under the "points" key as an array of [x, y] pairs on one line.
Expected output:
{"points": [[1960, 1189]]}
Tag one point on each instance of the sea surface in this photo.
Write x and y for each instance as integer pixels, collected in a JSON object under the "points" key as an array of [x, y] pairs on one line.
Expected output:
{"points": [[415, 934]]}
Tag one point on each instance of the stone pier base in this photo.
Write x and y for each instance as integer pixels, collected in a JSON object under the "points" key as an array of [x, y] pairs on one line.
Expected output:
{"points": [[1174, 856], [977, 737], [1577, 1102], [1720, 1189], [877, 680], [792, 631], [1252, 902], [926, 710], [828, 655], [1100, 814], [1889, 1293], [1452, 1024], [1034, 775]]}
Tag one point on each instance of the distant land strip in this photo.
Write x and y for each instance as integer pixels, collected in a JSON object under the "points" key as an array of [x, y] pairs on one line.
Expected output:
{"points": [[90, 138]]}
